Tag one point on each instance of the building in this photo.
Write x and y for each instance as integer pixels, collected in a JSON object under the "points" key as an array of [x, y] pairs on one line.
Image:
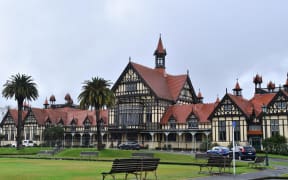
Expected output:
{"points": [[263, 116], [161, 111], [156, 108], [79, 125]]}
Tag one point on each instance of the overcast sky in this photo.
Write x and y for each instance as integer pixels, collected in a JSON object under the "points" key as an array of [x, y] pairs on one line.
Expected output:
{"points": [[62, 43]]}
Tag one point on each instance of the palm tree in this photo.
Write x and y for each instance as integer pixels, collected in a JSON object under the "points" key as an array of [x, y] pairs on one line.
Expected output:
{"points": [[96, 94], [21, 87]]}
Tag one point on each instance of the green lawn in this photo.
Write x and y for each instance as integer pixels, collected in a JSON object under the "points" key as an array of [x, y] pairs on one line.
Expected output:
{"points": [[79, 168], [35, 169]]}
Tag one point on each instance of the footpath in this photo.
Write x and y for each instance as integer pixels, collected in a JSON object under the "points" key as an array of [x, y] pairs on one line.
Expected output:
{"points": [[261, 174]]}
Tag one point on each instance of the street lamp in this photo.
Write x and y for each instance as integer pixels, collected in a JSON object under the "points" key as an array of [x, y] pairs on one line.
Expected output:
{"points": [[264, 110]]}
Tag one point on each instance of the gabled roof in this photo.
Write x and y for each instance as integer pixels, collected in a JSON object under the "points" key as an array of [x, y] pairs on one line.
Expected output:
{"points": [[14, 115], [259, 100], [181, 112], [164, 86], [242, 103], [66, 114]]}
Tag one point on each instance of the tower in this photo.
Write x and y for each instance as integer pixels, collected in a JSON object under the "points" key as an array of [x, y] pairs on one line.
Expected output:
{"points": [[160, 54]]}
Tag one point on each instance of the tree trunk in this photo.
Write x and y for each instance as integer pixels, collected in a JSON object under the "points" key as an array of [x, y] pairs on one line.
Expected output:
{"points": [[98, 125], [19, 127]]}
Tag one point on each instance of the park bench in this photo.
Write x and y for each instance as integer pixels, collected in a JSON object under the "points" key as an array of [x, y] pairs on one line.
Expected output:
{"points": [[258, 162], [219, 162], [142, 154], [49, 152], [135, 166], [89, 153]]}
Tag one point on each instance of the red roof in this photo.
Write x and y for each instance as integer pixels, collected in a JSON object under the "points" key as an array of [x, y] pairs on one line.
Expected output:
{"points": [[181, 112], [163, 85], [259, 100], [66, 114], [160, 49]]}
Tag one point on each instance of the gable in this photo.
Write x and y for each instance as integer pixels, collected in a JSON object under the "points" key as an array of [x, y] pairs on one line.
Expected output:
{"points": [[227, 107], [186, 93], [8, 120], [30, 118], [278, 104], [130, 83]]}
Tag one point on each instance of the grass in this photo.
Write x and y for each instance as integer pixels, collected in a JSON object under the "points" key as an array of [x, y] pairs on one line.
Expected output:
{"points": [[21, 168], [34, 169]]}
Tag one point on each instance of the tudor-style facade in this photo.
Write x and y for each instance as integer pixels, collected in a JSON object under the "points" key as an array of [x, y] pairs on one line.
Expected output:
{"points": [[143, 95], [79, 125], [160, 110], [252, 125]]}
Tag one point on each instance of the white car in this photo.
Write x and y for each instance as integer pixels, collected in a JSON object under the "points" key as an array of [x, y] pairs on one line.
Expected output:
{"points": [[27, 143]]}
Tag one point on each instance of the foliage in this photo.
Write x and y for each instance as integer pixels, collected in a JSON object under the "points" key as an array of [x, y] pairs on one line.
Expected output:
{"points": [[53, 135], [276, 144], [20, 87], [205, 145], [96, 94]]}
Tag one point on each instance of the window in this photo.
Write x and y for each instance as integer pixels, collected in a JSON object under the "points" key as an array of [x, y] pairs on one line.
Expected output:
{"points": [[73, 126], [172, 123], [131, 87], [237, 131], [87, 125], [160, 61], [222, 130], [274, 127], [148, 115], [281, 105], [130, 114], [48, 124], [192, 122], [227, 107]]}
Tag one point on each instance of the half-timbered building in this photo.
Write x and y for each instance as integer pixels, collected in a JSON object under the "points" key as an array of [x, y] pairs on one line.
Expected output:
{"points": [[79, 125], [263, 116], [143, 95]]}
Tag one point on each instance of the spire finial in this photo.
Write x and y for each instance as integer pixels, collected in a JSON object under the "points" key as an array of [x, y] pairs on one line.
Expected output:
{"points": [[187, 71], [129, 58]]}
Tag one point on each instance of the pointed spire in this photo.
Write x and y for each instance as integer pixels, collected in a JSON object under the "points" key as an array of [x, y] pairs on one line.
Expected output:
{"points": [[160, 54], [200, 97], [217, 99], [160, 49], [237, 90], [46, 104], [286, 84]]}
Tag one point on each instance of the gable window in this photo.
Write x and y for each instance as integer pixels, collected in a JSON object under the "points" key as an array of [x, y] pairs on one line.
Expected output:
{"points": [[281, 105], [192, 122], [274, 127], [228, 107], [222, 130], [131, 87]]}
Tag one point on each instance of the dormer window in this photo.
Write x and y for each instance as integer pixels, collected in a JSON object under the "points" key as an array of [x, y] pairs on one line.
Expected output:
{"points": [[73, 126], [87, 124], [192, 122], [48, 124], [172, 123]]}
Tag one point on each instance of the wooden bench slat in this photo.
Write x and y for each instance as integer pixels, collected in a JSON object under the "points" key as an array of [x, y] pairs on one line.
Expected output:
{"points": [[133, 166]]}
